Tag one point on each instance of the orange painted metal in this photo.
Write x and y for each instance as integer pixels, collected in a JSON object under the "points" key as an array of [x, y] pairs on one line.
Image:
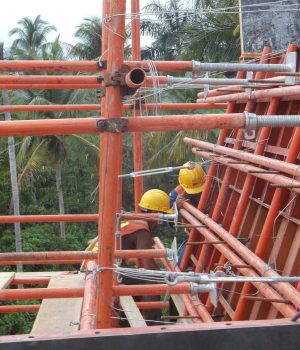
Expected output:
{"points": [[193, 306], [89, 66], [96, 107], [88, 315], [6, 219], [75, 256], [151, 289], [255, 95], [231, 255], [276, 179], [40, 293], [267, 231], [10, 309], [110, 166], [31, 280], [207, 189], [137, 137], [286, 289], [274, 164], [148, 305], [42, 86], [89, 125]]}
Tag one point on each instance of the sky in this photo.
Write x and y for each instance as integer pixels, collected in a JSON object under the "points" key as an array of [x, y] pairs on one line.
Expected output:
{"points": [[65, 15]]}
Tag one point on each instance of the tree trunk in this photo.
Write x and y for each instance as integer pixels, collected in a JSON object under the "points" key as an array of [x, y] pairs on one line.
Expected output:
{"points": [[14, 182], [60, 197]]}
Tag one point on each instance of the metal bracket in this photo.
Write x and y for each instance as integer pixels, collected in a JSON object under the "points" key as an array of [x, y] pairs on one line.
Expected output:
{"points": [[113, 125], [250, 125], [112, 79], [210, 288], [100, 92], [291, 59], [172, 253], [248, 90], [102, 64]]}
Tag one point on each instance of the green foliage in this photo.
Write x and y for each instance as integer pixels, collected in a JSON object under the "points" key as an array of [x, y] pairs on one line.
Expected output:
{"points": [[17, 323]]}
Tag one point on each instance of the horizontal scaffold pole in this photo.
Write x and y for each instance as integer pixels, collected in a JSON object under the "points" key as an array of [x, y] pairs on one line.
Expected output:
{"points": [[76, 256], [51, 293], [161, 66], [42, 127], [91, 125], [96, 107]]}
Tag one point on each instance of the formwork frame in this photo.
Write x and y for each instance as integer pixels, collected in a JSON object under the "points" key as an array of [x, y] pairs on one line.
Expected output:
{"points": [[236, 183]]}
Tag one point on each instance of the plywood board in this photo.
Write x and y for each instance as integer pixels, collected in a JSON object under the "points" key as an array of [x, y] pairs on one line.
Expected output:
{"points": [[60, 315], [5, 279], [132, 312]]}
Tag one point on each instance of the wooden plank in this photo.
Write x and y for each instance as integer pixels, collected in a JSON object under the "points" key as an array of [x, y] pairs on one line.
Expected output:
{"points": [[226, 306], [5, 279], [60, 315], [180, 308], [25, 275], [132, 312]]}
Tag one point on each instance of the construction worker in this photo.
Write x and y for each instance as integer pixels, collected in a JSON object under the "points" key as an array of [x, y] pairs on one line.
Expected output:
{"points": [[136, 234], [191, 184]]}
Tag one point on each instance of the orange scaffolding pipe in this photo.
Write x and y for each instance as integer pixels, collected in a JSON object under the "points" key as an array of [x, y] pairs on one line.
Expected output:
{"points": [[78, 255], [151, 123], [110, 165], [88, 311], [286, 289], [10, 309], [205, 195], [137, 137], [267, 230], [275, 164], [233, 257], [88, 66], [96, 107]]}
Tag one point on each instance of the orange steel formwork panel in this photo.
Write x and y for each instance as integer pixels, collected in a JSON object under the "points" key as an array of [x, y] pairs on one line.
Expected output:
{"points": [[246, 224]]}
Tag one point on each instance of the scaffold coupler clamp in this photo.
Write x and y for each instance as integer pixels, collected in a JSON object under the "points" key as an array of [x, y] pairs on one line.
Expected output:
{"points": [[250, 125], [210, 288]]}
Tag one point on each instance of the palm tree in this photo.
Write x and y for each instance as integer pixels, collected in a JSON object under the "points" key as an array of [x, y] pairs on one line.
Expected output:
{"points": [[165, 28], [37, 152], [31, 37], [185, 30], [89, 33], [13, 172]]}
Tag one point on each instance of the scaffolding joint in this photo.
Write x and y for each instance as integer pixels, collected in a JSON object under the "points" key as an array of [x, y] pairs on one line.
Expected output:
{"points": [[114, 125]]}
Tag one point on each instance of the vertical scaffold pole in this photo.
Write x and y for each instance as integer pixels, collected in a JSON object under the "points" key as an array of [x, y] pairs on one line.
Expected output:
{"points": [[110, 158], [137, 137]]}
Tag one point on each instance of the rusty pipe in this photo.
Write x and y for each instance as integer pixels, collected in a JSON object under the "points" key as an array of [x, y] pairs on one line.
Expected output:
{"points": [[88, 316], [271, 163], [286, 289], [135, 78]]}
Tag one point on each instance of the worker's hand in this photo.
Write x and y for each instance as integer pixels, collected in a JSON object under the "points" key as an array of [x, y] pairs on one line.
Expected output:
{"points": [[179, 201]]}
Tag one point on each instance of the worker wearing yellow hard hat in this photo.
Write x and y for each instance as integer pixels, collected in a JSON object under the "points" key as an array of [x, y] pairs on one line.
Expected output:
{"points": [[191, 184], [156, 200], [191, 180], [136, 234]]}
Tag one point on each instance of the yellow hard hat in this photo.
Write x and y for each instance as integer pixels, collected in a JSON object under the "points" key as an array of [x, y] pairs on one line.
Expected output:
{"points": [[192, 180], [157, 200]]}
